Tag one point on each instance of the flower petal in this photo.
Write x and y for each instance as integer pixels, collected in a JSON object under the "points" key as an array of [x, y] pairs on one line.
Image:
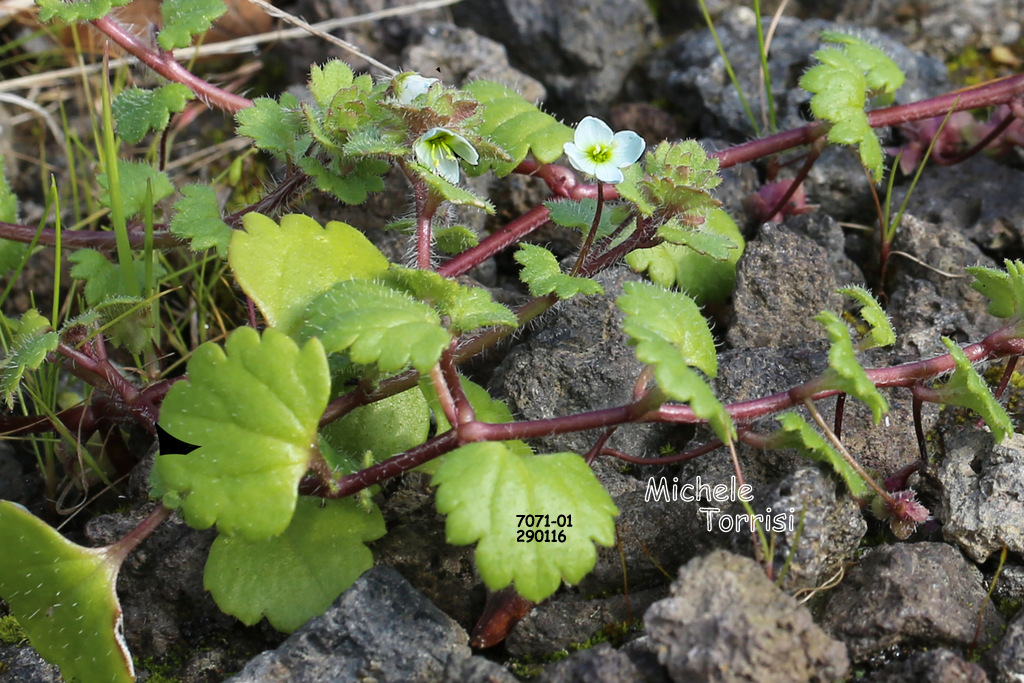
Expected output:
{"points": [[410, 85], [627, 147], [607, 173], [591, 131], [463, 148], [579, 159]]}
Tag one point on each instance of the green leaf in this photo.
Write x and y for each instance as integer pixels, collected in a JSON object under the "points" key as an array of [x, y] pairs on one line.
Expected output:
{"points": [[103, 278], [517, 126], [378, 325], [680, 178], [11, 253], [384, 428], [278, 128], [705, 242], [466, 308], [127, 321], [73, 12], [138, 111], [879, 331], [63, 595], [134, 177], [450, 192], [349, 182], [183, 19], [294, 577], [197, 219], [32, 341], [796, 433], [845, 372], [283, 267], [671, 335], [882, 74], [252, 408], [1005, 290], [702, 277], [455, 239], [966, 388], [543, 275], [325, 81], [579, 214], [483, 486]]}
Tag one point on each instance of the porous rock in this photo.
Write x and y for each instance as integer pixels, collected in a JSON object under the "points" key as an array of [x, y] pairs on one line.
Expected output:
{"points": [[726, 621], [1007, 658], [982, 507], [605, 664], [935, 666], [907, 594], [381, 629]]}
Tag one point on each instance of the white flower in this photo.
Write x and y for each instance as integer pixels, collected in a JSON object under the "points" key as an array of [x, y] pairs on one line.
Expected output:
{"points": [[437, 148], [596, 152], [410, 85]]}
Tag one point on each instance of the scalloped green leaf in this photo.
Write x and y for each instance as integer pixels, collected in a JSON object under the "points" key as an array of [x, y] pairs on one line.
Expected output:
{"points": [[466, 308], [796, 433], [483, 486], [347, 181], [517, 126], [455, 239], [705, 242], [543, 275], [325, 81], [127, 321], [966, 388], [32, 341], [295, 576], [879, 332], [671, 335], [845, 372], [183, 19], [137, 111], [703, 278], [197, 219], [376, 325], [882, 74], [73, 12], [102, 278], [579, 214], [63, 596], [135, 177], [1003, 289], [283, 267], [253, 409], [276, 127]]}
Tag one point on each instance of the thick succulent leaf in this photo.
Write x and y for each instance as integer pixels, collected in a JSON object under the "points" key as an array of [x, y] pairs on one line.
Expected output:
{"points": [[796, 433], [966, 388], [295, 576], [654, 313], [1004, 290], [197, 219], [252, 408], [32, 341], [283, 267], [543, 275], [484, 486], [378, 325], [138, 111], [135, 179], [845, 372], [879, 332], [62, 595], [517, 126]]}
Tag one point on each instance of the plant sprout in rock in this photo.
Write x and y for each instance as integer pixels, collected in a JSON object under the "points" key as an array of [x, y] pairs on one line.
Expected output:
{"points": [[286, 408]]}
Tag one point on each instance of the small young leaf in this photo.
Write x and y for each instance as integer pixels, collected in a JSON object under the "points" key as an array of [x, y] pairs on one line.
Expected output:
{"points": [[796, 433], [482, 487], [325, 81], [671, 335], [1005, 290], [845, 372], [278, 128], [63, 595], [138, 111], [455, 239], [127, 321], [466, 308], [103, 278], [543, 275], [252, 408], [197, 219], [966, 388], [266, 257], [517, 126], [32, 341], [294, 577], [135, 177], [882, 74], [376, 324], [73, 12], [183, 19], [880, 332], [351, 183]]}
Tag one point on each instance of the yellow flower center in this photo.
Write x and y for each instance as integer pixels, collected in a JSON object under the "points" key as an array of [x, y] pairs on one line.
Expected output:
{"points": [[600, 154]]}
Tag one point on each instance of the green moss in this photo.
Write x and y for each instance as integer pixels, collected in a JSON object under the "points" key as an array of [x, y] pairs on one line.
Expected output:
{"points": [[11, 632], [614, 633]]}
